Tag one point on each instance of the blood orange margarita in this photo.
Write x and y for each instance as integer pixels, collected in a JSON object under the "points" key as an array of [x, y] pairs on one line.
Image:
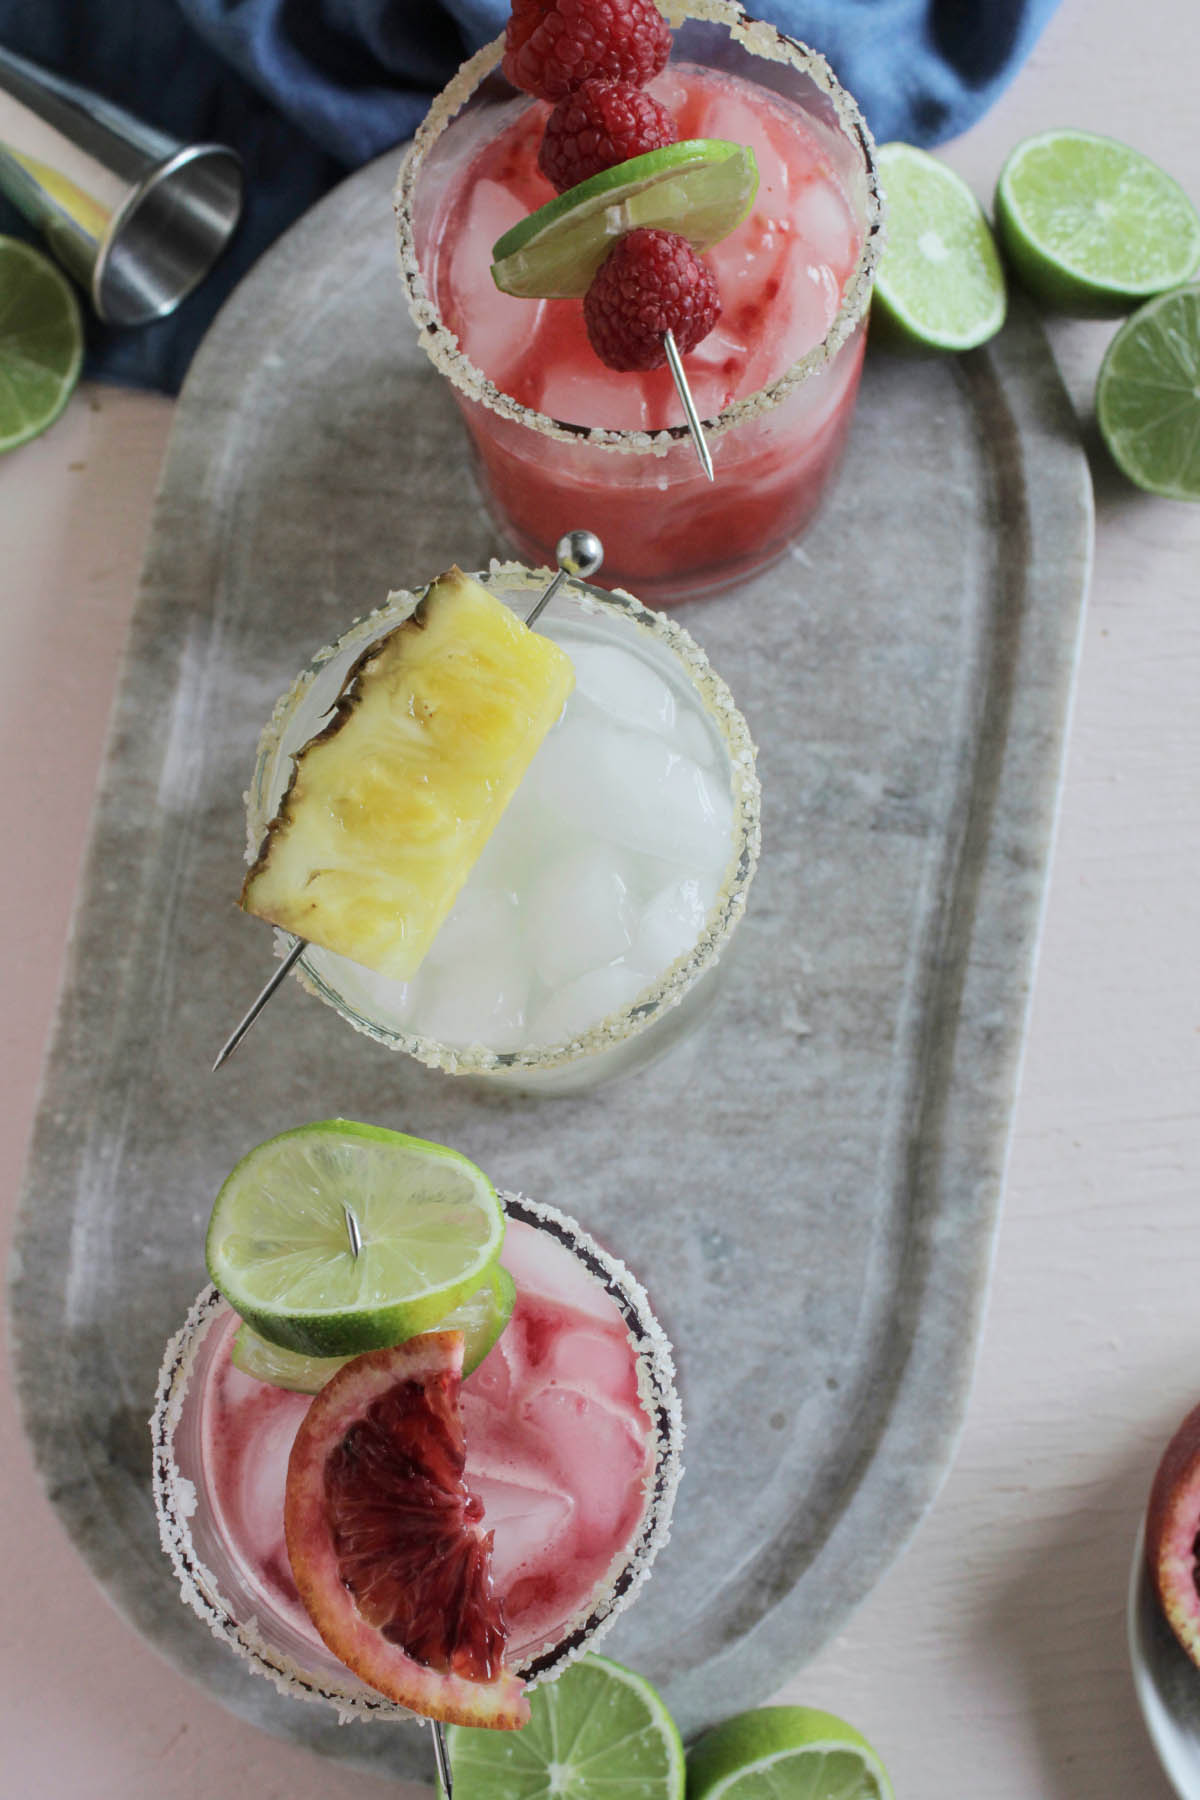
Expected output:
{"points": [[558, 437], [572, 1435]]}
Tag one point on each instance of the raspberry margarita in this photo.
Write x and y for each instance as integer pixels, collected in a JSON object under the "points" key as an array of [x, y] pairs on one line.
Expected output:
{"points": [[572, 1437], [557, 436]]}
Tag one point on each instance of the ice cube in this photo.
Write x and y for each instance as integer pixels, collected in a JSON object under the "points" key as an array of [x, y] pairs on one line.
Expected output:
{"points": [[480, 998], [623, 688], [579, 913], [693, 736], [374, 996], [582, 1003], [670, 924], [636, 791], [483, 921]]}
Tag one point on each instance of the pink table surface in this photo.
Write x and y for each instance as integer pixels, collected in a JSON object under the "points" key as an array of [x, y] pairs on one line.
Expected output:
{"points": [[990, 1660]]}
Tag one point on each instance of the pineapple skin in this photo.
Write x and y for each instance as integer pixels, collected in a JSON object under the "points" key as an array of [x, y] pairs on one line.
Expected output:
{"points": [[390, 805]]}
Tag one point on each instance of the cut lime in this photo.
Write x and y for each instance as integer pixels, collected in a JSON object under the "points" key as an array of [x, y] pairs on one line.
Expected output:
{"points": [[597, 1733], [41, 342], [1092, 226], [793, 1750], [279, 1242], [940, 281], [702, 188], [481, 1318], [1148, 395]]}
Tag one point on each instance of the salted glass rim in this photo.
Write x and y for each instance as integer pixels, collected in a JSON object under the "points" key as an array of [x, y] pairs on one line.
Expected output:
{"points": [[440, 343], [669, 988], [175, 1497]]}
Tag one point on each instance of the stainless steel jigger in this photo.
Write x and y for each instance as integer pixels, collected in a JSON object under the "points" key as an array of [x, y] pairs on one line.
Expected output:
{"points": [[135, 216]]}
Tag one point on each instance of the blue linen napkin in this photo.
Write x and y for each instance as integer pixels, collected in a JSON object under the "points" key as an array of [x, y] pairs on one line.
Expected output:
{"points": [[307, 90]]}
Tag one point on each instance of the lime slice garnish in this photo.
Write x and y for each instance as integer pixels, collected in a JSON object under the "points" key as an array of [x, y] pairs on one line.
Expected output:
{"points": [[481, 1318], [279, 1249], [701, 188], [1091, 225], [41, 342], [785, 1750], [940, 281], [597, 1733], [1148, 395]]}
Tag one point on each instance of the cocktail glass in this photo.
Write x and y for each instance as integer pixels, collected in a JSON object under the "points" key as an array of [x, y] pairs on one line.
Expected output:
{"points": [[574, 1538], [671, 534], [618, 1015]]}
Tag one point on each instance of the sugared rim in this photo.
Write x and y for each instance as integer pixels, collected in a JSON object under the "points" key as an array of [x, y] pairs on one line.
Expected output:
{"points": [[440, 343], [723, 917], [175, 1495]]}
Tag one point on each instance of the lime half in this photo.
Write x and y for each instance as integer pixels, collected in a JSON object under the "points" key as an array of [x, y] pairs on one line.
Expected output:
{"points": [[940, 281], [597, 1733], [481, 1318], [792, 1750], [1148, 395], [702, 188], [1092, 226], [41, 342], [428, 1223]]}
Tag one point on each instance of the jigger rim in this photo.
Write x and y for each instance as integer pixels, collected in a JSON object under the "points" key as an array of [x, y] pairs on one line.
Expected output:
{"points": [[101, 282]]}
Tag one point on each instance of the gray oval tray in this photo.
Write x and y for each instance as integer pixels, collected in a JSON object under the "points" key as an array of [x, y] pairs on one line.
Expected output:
{"points": [[809, 1187]]}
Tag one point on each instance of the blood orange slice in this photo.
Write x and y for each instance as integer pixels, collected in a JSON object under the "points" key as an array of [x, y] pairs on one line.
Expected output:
{"points": [[386, 1544]]}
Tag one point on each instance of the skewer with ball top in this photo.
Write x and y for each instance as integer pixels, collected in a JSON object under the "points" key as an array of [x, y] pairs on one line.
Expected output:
{"points": [[579, 555]]}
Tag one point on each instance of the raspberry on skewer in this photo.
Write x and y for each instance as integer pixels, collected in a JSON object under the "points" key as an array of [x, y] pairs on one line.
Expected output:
{"points": [[551, 47], [651, 299], [651, 282], [599, 125]]}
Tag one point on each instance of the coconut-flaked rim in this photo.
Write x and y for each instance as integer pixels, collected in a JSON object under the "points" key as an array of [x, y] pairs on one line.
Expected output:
{"points": [[441, 344], [175, 1497], [660, 996]]}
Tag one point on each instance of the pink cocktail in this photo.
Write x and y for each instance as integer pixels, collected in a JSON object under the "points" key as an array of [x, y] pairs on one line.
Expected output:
{"points": [[558, 438], [572, 1432]]}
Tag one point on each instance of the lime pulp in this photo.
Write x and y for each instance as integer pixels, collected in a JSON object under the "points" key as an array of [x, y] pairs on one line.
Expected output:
{"points": [[940, 282], [281, 1246], [599, 1732], [778, 1750], [1148, 395], [41, 342], [1091, 225], [481, 1318], [701, 188]]}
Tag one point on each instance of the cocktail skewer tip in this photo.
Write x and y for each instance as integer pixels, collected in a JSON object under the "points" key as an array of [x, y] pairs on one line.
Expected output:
{"points": [[694, 426]]}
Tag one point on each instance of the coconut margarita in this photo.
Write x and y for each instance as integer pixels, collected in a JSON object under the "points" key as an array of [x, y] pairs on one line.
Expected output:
{"points": [[613, 878]]}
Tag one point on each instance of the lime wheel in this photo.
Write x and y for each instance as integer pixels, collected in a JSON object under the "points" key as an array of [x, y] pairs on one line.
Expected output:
{"points": [[387, 1545]]}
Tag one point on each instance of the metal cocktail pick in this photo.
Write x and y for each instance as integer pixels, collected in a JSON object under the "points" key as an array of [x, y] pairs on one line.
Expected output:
{"points": [[689, 405], [578, 553], [354, 1233]]}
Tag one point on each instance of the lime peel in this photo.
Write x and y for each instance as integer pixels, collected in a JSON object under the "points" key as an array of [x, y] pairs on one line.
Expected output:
{"points": [[598, 1732], [41, 342], [747, 1756], [701, 188], [1091, 225], [940, 282], [1148, 395], [278, 1248]]}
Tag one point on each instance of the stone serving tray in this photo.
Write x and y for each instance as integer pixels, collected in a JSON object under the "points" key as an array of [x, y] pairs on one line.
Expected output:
{"points": [[808, 1187]]}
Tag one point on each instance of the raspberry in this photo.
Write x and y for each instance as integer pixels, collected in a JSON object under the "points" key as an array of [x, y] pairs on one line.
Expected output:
{"points": [[551, 47], [650, 282], [601, 124]]}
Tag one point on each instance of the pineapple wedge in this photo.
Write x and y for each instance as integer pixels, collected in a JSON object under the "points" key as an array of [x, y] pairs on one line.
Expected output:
{"points": [[389, 806]]}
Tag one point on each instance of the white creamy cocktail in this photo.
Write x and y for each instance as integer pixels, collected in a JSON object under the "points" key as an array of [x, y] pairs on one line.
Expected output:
{"points": [[612, 881]]}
